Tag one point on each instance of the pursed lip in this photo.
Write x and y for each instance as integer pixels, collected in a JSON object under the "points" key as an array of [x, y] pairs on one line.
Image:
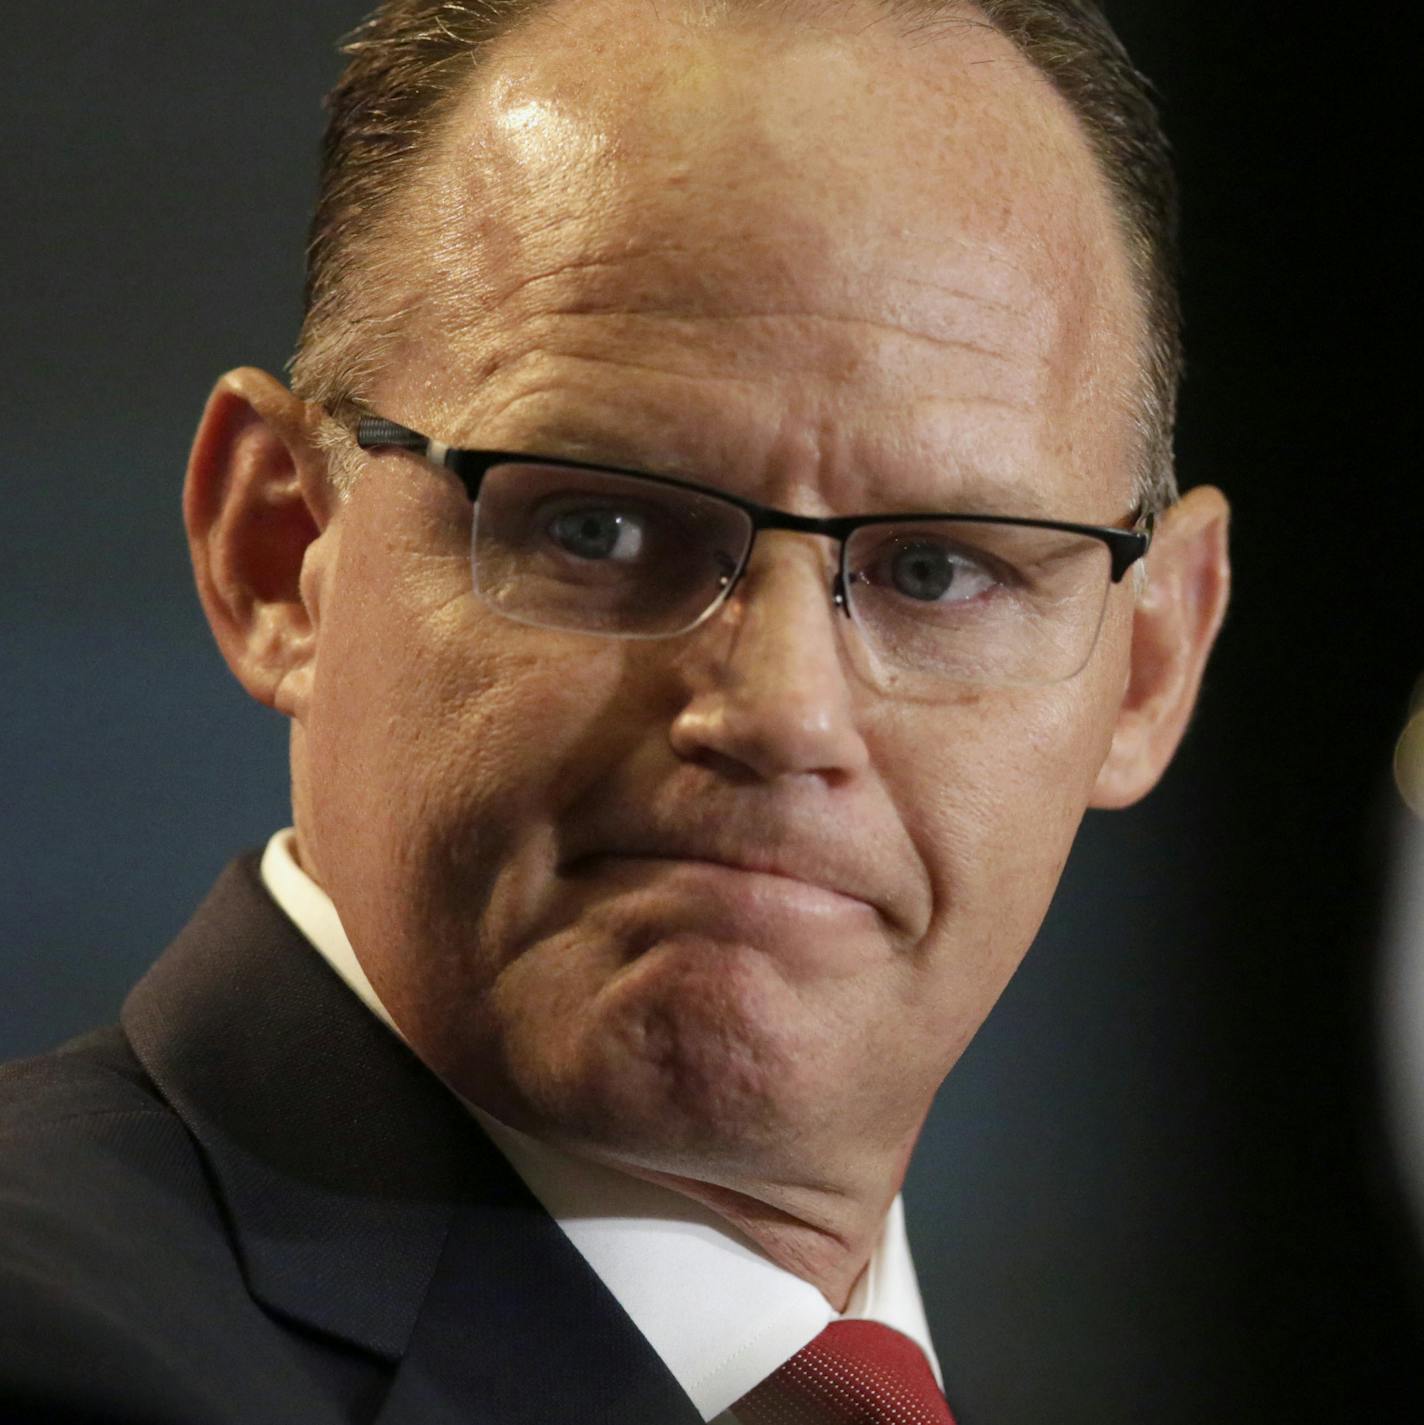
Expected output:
{"points": [[803, 870]]}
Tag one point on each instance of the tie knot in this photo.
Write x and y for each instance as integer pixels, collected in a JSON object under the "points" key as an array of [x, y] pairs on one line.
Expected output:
{"points": [[853, 1373]]}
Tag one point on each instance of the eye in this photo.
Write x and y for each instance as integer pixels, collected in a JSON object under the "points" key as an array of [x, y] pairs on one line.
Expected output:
{"points": [[599, 532], [929, 571]]}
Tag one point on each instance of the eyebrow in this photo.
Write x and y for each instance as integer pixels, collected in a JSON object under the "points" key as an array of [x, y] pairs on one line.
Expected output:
{"points": [[974, 491], [971, 492], [599, 444]]}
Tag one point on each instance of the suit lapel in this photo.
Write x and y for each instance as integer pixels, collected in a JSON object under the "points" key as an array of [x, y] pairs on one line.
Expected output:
{"points": [[363, 1199], [332, 1153], [517, 1330]]}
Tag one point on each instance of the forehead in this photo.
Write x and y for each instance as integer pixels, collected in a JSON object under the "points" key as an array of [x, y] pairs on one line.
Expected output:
{"points": [[914, 224]]}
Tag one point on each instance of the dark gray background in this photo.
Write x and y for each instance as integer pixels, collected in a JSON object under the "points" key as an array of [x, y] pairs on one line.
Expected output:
{"points": [[1155, 1188]]}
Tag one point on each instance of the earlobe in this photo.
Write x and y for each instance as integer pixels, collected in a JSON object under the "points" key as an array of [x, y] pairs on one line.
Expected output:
{"points": [[1175, 623], [256, 501]]}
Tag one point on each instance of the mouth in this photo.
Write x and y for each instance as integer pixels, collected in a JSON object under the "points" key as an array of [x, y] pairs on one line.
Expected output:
{"points": [[691, 910], [757, 884]]}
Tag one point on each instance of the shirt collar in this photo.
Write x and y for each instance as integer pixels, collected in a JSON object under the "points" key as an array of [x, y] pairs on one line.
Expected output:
{"points": [[746, 1317]]}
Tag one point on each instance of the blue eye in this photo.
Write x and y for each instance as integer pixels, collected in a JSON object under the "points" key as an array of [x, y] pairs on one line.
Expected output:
{"points": [[598, 533], [929, 571]]}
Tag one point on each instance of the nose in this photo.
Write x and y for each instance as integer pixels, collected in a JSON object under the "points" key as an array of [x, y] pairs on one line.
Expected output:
{"points": [[767, 678]]}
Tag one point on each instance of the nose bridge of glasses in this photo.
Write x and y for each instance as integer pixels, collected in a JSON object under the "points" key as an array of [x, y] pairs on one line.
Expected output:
{"points": [[779, 544], [780, 625], [778, 619]]}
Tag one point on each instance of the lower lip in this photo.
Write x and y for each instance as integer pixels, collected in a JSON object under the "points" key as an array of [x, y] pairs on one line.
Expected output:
{"points": [[732, 899]]}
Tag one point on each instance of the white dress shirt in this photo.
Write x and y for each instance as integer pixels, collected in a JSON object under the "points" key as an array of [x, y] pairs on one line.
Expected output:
{"points": [[719, 1312]]}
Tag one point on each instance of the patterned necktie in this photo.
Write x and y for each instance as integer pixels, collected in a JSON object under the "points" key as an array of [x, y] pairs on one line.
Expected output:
{"points": [[853, 1373]]}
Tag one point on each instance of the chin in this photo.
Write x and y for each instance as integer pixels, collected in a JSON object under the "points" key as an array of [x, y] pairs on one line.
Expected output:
{"points": [[692, 1055]]}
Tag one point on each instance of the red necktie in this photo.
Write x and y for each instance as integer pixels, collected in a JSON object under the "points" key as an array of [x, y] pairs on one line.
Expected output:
{"points": [[853, 1373]]}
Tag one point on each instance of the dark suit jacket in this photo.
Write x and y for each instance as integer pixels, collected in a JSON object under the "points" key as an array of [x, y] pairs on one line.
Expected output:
{"points": [[250, 1203]]}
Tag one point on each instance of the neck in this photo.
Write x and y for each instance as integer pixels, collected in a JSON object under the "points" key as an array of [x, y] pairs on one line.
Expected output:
{"points": [[824, 1238]]}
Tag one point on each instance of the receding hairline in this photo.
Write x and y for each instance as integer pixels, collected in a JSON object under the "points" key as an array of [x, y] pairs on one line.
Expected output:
{"points": [[375, 242]]}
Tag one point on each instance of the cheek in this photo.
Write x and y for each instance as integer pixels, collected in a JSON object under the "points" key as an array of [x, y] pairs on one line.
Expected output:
{"points": [[993, 812], [443, 742]]}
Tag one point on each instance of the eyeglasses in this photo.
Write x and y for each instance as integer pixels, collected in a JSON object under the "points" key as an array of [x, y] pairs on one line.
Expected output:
{"points": [[939, 599]]}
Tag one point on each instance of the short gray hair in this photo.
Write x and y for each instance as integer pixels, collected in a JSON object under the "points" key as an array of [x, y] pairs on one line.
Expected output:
{"points": [[411, 60]]}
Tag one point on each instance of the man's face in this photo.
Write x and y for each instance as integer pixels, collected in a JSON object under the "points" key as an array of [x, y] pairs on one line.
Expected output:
{"points": [[825, 269]]}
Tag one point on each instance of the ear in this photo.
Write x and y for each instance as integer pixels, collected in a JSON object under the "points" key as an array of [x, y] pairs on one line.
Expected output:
{"points": [[1174, 626], [257, 502]]}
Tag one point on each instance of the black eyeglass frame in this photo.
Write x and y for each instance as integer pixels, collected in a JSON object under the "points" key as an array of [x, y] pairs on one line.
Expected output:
{"points": [[1125, 546]]}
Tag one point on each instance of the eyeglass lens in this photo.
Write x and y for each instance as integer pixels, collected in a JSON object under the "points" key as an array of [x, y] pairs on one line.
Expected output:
{"points": [[936, 601], [613, 554]]}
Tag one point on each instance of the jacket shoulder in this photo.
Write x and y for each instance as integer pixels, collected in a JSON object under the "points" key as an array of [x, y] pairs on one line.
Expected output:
{"points": [[89, 1150], [120, 1290], [93, 1075]]}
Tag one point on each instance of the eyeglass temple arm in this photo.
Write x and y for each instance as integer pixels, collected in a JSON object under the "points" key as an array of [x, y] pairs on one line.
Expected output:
{"points": [[1127, 546], [372, 431]]}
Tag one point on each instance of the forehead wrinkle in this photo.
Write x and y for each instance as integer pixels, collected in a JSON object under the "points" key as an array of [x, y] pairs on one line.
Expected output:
{"points": [[672, 330], [630, 422], [554, 357], [598, 308], [825, 462], [579, 271], [809, 265]]}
